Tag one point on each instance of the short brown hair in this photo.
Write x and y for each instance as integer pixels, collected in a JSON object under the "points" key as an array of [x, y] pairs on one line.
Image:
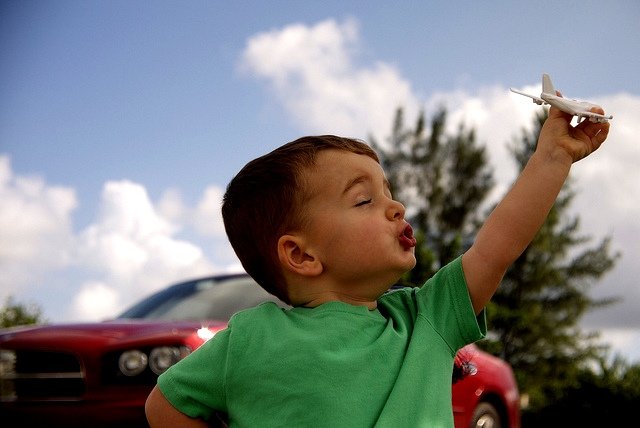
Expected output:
{"points": [[265, 200]]}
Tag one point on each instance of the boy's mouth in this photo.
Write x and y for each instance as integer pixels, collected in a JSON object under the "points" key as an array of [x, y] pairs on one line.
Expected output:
{"points": [[407, 240]]}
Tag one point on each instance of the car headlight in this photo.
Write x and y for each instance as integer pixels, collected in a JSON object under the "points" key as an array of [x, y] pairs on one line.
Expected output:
{"points": [[163, 357], [132, 363]]}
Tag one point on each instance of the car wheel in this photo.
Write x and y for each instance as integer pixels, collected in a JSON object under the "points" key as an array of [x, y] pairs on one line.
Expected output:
{"points": [[485, 416]]}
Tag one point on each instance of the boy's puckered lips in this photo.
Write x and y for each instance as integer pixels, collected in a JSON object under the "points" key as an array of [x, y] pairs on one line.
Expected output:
{"points": [[407, 240]]}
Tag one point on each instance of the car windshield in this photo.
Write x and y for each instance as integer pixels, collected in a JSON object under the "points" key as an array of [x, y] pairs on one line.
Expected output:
{"points": [[210, 298]]}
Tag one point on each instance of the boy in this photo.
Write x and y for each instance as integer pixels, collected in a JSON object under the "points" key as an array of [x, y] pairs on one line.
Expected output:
{"points": [[314, 223]]}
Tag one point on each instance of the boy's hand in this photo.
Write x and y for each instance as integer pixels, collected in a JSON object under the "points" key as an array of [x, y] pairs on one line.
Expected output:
{"points": [[559, 138]]}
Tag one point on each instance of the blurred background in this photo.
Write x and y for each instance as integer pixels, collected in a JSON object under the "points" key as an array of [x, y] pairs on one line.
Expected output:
{"points": [[121, 123]]}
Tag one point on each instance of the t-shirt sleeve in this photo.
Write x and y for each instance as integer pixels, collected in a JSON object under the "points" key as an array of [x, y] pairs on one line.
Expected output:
{"points": [[196, 385], [446, 304]]}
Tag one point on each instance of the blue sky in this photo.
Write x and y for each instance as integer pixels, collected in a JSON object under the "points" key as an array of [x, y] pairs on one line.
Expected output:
{"points": [[122, 121]]}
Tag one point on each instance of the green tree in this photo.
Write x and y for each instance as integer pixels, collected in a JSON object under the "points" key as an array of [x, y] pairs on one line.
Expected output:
{"points": [[534, 315], [442, 180], [14, 314]]}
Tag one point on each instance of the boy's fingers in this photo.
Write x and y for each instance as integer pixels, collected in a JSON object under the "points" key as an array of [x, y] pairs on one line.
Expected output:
{"points": [[600, 133], [556, 112], [595, 128], [596, 133]]}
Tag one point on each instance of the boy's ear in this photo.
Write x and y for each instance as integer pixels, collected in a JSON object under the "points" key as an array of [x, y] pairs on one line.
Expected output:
{"points": [[294, 257]]}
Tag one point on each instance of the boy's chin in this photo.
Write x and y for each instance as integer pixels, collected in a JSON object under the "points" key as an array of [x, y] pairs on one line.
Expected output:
{"points": [[406, 267], [411, 263]]}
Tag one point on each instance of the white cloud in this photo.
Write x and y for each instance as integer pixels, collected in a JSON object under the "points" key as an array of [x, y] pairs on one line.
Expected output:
{"points": [[133, 248], [207, 216], [96, 301], [171, 207], [625, 342], [35, 229], [312, 71]]}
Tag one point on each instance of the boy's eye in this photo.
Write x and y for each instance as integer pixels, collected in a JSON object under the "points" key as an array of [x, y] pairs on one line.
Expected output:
{"points": [[359, 204]]}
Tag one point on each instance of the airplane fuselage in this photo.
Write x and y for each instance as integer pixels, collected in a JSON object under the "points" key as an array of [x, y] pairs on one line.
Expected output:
{"points": [[574, 107]]}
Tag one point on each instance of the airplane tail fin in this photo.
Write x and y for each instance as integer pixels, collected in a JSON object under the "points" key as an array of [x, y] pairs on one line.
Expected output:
{"points": [[547, 86]]}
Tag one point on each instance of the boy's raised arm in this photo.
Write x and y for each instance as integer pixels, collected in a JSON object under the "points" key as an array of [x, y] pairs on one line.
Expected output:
{"points": [[517, 218]]}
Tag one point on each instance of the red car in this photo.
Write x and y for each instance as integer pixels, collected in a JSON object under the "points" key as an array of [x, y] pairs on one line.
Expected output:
{"points": [[99, 374]]}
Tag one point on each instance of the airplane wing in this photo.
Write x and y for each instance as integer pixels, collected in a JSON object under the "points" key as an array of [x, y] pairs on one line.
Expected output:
{"points": [[535, 99], [594, 117]]}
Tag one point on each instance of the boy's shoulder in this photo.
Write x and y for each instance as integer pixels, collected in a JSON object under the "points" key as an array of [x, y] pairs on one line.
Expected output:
{"points": [[264, 310], [398, 292]]}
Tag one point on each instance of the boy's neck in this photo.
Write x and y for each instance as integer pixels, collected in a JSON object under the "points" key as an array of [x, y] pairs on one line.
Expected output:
{"points": [[334, 297], [371, 305], [313, 291]]}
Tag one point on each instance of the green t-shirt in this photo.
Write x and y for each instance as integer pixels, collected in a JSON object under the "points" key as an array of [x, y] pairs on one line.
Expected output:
{"points": [[335, 365]]}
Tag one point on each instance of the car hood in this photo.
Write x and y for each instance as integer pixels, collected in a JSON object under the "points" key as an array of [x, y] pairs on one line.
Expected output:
{"points": [[104, 334]]}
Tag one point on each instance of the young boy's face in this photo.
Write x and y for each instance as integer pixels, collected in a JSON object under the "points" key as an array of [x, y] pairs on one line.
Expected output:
{"points": [[355, 227]]}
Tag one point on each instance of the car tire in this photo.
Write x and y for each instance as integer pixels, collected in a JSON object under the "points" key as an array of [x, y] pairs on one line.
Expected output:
{"points": [[485, 415]]}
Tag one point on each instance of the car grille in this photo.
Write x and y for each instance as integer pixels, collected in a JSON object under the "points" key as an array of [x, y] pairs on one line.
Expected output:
{"points": [[39, 375]]}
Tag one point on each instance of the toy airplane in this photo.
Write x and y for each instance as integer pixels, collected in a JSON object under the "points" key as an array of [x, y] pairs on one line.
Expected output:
{"points": [[582, 109]]}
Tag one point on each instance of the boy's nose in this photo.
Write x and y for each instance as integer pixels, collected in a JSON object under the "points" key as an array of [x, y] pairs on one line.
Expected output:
{"points": [[395, 211]]}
